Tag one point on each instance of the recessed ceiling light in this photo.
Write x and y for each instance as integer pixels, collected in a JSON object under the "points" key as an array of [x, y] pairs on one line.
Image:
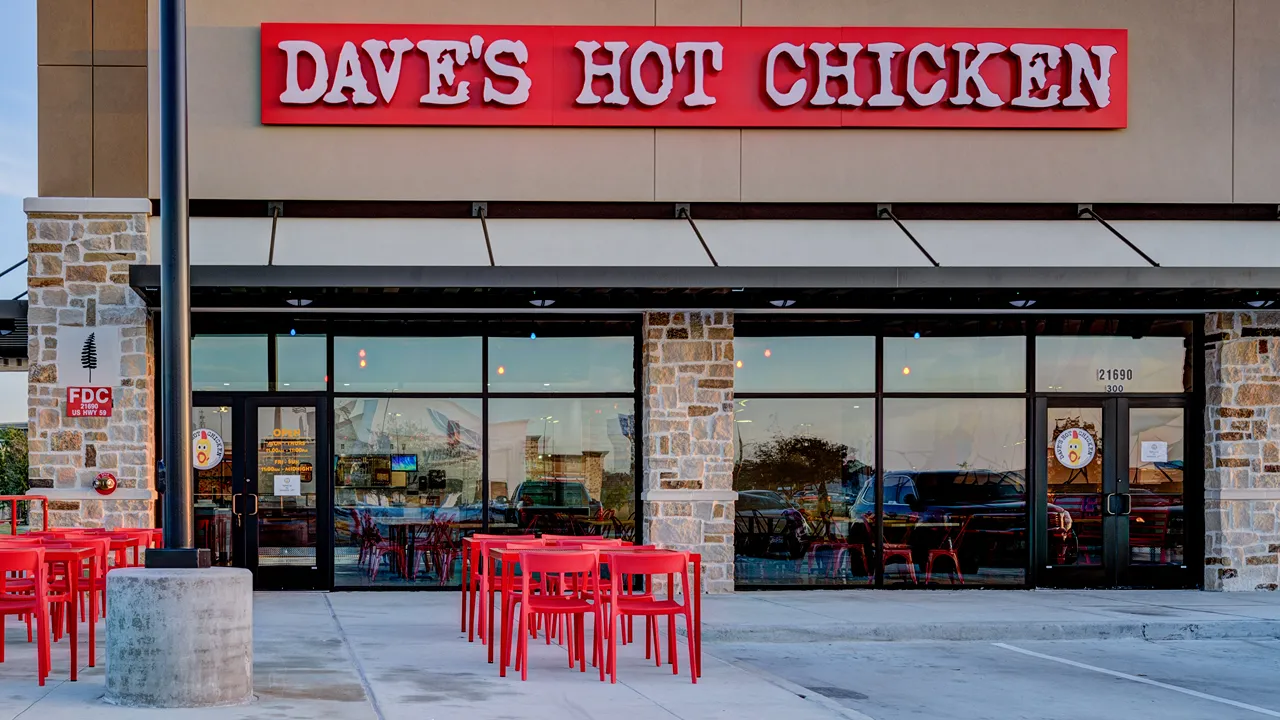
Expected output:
{"points": [[782, 303], [542, 303], [1260, 303], [1022, 303], [298, 302]]}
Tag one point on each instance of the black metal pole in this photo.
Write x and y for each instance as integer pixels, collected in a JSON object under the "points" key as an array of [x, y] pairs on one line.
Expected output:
{"points": [[175, 279]]}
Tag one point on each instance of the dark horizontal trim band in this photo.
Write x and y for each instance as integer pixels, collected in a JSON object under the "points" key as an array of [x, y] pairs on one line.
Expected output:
{"points": [[146, 278], [496, 209]]}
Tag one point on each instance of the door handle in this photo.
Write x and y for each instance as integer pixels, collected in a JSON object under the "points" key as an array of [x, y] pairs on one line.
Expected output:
{"points": [[1128, 504], [255, 504], [1107, 506]]}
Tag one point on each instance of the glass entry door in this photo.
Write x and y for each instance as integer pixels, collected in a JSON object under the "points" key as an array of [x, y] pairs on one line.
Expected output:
{"points": [[263, 492], [1111, 494], [284, 505]]}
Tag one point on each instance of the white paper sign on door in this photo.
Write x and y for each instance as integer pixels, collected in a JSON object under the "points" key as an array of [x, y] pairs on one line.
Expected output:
{"points": [[1155, 451], [288, 485]]}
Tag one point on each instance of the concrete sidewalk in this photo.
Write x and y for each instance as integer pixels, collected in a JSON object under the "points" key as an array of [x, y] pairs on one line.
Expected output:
{"points": [[399, 656], [989, 615]]}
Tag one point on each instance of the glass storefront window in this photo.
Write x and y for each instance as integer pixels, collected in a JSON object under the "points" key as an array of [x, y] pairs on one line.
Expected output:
{"points": [[223, 363], [800, 469], [564, 466], [804, 364], [214, 431], [407, 487], [1112, 364], [955, 364], [561, 364], [406, 364], [1157, 525], [302, 362], [955, 491]]}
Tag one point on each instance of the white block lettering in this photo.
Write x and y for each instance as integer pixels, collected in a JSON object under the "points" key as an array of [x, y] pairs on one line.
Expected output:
{"points": [[591, 70], [349, 76], [939, 87], [886, 97], [293, 94], [1082, 69], [698, 97], [796, 93], [442, 57], [388, 76], [666, 79], [1033, 61], [828, 72], [516, 49], [970, 72]]}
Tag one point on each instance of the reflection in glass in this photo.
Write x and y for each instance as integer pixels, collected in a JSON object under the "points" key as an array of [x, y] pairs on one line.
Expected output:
{"points": [[1099, 363], [1156, 518], [800, 469], [301, 362], [228, 362], [804, 364], [955, 491], [1074, 522], [955, 364], [286, 485], [561, 364], [407, 488], [562, 466], [214, 527], [406, 364]]}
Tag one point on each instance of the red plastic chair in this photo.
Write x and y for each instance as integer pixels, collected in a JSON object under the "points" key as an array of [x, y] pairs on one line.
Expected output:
{"points": [[648, 565], [26, 598], [575, 572], [950, 550]]}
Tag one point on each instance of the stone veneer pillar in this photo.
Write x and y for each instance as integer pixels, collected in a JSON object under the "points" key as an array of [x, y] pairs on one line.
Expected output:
{"points": [[688, 438], [1242, 451], [80, 250]]}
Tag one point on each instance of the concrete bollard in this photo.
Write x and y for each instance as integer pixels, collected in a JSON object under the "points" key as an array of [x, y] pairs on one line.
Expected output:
{"points": [[179, 638]]}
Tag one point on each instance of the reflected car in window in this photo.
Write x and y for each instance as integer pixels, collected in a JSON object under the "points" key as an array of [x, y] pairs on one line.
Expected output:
{"points": [[767, 525], [981, 514], [548, 503]]}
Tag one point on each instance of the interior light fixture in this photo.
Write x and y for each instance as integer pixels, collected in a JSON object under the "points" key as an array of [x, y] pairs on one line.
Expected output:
{"points": [[1022, 303], [8, 326], [298, 302], [782, 303], [1250, 303], [542, 303]]}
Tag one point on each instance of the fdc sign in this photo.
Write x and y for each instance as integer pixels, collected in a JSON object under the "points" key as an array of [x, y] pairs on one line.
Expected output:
{"points": [[88, 402]]}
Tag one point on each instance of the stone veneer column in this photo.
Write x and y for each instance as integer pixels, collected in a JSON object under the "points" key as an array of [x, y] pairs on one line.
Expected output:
{"points": [[1242, 451], [80, 250], [688, 438]]}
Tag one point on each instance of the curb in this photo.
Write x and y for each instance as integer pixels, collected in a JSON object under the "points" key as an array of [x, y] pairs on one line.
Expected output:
{"points": [[996, 631]]}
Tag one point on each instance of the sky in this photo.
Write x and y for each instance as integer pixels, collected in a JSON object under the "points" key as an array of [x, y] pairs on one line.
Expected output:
{"points": [[17, 166]]}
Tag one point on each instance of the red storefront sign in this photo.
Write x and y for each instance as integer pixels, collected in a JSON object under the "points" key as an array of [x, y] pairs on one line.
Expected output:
{"points": [[329, 74], [88, 402]]}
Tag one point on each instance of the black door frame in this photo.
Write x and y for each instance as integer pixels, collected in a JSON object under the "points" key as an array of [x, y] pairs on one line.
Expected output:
{"points": [[1116, 569], [289, 577], [244, 535]]}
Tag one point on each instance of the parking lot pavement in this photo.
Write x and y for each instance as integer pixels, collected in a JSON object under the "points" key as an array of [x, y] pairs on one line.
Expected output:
{"points": [[1041, 680]]}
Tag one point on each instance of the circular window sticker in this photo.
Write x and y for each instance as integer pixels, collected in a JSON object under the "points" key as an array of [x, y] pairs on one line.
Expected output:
{"points": [[206, 449], [1075, 448]]}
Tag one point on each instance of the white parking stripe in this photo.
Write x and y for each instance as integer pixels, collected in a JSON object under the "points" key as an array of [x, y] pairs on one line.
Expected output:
{"points": [[1144, 681]]}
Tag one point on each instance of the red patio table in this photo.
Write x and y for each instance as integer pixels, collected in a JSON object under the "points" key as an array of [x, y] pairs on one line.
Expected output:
{"points": [[73, 559], [13, 501]]}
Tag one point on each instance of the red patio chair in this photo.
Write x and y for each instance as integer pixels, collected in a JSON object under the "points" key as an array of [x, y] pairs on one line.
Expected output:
{"points": [[951, 550], [576, 571], [26, 598], [648, 565]]}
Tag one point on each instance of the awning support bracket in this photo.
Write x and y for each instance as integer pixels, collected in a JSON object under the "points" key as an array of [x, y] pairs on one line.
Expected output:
{"points": [[481, 210], [1087, 211], [886, 211], [682, 211], [276, 208]]}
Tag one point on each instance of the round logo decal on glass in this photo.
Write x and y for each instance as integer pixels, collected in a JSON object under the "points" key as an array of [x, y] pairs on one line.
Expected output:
{"points": [[1075, 448], [206, 449]]}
